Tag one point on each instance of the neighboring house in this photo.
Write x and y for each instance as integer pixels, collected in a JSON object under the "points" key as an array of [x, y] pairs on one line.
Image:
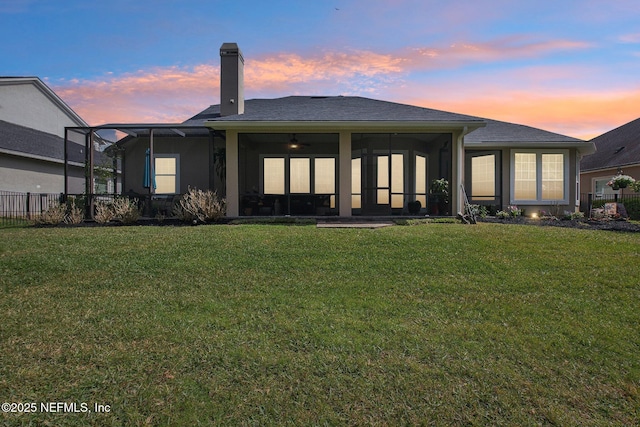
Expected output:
{"points": [[344, 155], [617, 150], [32, 137]]}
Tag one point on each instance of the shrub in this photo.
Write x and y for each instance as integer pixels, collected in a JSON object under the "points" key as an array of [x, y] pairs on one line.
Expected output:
{"points": [[120, 209], [75, 215], [54, 214], [125, 210], [569, 215], [479, 210], [514, 211], [633, 208], [104, 212], [198, 205], [503, 214]]}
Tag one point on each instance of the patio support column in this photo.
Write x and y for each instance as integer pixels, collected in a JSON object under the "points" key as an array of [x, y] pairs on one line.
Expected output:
{"points": [[152, 172], [344, 174], [233, 187], [212, 161], [152, 175], [457, 174]]}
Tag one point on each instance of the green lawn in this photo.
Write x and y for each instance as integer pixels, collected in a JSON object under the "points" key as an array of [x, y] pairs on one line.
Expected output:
{"points": [[439, 324]]}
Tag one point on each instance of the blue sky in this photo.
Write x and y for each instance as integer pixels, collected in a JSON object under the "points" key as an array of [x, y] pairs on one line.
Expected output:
{"points": [[571, 66]]}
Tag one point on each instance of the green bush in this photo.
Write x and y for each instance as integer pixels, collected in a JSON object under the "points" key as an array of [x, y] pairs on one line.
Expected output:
{"points": [[633, 208]]}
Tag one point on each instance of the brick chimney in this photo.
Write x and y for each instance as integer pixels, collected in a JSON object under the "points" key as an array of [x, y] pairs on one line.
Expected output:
{"points": [[231, 80]]}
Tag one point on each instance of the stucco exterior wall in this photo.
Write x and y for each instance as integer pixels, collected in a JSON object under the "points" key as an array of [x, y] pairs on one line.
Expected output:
{"points": [[588, 178], [25, 175], [193, 166], [26, 105]]}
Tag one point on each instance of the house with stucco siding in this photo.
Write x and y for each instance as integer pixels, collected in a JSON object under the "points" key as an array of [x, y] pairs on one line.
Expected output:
{"points": [[347, 156], [32, 138], [617, 151]]}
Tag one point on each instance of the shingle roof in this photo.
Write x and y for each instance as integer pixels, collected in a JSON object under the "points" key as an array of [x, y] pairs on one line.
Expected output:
{"points": [[354, 109], [332, 109], [618, 147], [34, 142], [497, 131]]}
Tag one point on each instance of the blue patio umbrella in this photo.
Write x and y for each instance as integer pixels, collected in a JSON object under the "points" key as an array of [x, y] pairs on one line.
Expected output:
{"points": [[147, 171]]}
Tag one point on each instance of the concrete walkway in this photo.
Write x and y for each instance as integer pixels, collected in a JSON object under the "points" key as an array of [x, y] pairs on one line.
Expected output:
{"points": [[352, 224]]}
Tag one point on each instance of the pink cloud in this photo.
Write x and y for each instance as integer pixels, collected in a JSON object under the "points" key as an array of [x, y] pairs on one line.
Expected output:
{"points": [[582, 114], [157, 95], [173, 94], [630, 38]]}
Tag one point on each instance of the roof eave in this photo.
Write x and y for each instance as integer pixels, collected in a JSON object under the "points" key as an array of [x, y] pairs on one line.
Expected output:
{"points": [[38, 157], [256, 126], [584, 147], [610, 167]]}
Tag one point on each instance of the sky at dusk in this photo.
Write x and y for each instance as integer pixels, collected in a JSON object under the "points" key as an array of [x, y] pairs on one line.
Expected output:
{"points": [[570, 66]]}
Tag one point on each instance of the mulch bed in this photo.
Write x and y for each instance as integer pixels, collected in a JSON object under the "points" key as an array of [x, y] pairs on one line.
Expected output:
{"points": [[585, 224]]}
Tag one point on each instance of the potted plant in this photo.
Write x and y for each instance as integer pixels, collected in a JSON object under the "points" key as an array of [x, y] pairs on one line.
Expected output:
{"points": [[414, 207], [620, 181], [439, 191]]}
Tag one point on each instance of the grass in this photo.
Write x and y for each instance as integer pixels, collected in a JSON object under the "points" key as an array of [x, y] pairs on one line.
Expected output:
{"points": [[277, 325]]}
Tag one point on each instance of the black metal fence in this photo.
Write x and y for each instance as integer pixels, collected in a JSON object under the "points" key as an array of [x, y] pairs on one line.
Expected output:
{"points": [[589, 201], [18, 209], [22, 208]]}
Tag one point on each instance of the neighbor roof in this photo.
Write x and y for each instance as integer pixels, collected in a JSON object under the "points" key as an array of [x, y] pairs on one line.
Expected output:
{"points": [[616, 148], [24, 141]]}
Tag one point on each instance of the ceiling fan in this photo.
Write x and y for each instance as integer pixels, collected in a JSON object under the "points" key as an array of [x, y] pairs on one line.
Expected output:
{"points": [[294, 144]]}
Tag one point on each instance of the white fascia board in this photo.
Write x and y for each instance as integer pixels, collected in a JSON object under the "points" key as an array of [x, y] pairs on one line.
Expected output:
{"points": [[611, 168], [584, 148], [38, 157], [354, 126]]}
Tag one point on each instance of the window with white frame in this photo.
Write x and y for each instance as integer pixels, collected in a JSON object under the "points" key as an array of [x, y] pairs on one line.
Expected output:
{"points": [[167, 173], [539, 176]]}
